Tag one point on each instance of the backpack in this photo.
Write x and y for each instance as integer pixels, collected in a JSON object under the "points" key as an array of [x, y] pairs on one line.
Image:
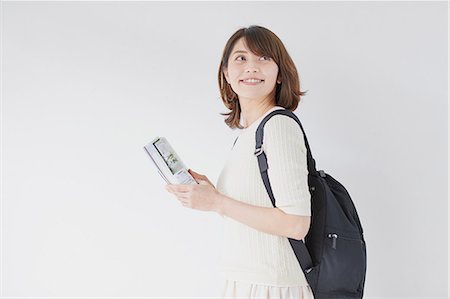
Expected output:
{"points": [[333, 256]]}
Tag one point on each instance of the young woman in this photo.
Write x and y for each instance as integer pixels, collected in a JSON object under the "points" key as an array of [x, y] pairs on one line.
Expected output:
{"points": [[257, 76]]}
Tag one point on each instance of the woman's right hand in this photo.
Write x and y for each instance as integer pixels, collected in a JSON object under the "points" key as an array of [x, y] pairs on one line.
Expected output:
{"points": [[202, 196]]}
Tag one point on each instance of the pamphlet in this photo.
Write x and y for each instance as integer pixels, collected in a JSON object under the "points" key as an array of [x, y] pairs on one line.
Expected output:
{"points": [[167, 162]]}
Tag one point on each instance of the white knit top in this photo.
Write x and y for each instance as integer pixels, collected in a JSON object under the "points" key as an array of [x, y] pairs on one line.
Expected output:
{"points": [[252, 255]]}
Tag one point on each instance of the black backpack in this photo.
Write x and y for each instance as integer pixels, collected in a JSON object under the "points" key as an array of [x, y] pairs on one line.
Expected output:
{"points": [[333, 257]]}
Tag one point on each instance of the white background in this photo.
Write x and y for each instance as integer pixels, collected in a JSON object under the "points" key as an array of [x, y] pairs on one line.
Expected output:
{"points": [[86, 85]]}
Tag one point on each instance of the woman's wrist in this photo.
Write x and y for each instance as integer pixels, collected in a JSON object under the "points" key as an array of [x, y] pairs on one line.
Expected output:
{"points": [[219, 203]]}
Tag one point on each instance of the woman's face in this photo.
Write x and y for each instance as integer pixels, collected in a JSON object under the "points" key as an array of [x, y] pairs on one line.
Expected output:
{"points": [[243, 64]]}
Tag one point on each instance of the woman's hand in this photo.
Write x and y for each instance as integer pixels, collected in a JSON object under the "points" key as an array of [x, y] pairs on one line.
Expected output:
{"points": [[203, 197]]}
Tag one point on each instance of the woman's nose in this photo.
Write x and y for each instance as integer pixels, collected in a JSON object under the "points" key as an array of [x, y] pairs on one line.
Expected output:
{"points": [[251, 69], [252, 66], [251, 72]]}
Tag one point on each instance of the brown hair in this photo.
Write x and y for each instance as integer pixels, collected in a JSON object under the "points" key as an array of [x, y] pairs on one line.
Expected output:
{"points": [[260, 41]]}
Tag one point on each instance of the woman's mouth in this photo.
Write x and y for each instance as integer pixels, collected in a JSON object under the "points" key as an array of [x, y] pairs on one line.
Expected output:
{"points": [[252, 81]]}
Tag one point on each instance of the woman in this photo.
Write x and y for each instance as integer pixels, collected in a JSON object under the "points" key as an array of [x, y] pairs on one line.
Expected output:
{"points": [[257, 76]]}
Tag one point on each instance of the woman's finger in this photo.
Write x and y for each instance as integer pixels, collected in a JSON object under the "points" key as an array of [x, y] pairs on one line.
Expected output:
{"points": [[197, 174], [179, 188], [181, 195]]}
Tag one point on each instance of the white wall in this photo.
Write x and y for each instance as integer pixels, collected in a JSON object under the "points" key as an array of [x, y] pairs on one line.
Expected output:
{"points": [[86, 85]]}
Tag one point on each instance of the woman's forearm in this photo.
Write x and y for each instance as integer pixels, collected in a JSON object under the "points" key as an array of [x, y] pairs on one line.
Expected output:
{"points": [[269, 220]]}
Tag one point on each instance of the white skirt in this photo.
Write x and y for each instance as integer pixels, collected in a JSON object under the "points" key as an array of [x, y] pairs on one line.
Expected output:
{"points": [[246, 290]]}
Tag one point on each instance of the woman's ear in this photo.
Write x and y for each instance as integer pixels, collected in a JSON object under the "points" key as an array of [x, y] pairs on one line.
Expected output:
{"points": [[278, 80], [225, 73]]}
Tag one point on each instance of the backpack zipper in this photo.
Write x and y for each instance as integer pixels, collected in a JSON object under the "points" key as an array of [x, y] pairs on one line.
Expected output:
{"points": [[335, 236]]}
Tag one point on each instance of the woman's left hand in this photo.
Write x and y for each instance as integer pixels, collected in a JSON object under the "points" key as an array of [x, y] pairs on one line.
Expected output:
{"points": [[202, 196]]}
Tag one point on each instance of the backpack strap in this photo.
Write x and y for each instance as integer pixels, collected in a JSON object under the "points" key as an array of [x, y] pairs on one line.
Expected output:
{"points": [[298, 246], [259, 151]]}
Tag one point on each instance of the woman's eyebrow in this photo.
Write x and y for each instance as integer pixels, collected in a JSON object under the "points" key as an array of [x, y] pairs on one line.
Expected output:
{"points": [[239, 51]]}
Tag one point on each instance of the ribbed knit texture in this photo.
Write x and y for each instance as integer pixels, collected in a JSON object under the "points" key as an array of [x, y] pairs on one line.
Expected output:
{"points": [[248, 254]]}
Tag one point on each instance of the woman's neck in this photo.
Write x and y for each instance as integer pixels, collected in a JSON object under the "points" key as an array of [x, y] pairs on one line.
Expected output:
{"points": [[250, 113]]}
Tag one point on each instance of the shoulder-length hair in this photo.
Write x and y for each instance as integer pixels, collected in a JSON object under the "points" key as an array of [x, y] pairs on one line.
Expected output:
{"points": [[260, 41]]}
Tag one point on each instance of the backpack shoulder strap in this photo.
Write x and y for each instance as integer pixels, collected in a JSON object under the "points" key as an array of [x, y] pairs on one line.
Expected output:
{"points": [[262, 159], [300, 249]]}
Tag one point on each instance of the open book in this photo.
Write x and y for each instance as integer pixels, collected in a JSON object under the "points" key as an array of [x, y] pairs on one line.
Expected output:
{"points": [[167, 162]]}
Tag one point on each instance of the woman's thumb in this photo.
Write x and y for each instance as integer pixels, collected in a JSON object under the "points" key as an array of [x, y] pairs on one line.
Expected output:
{"points": [[196, 175], [200, 178]]}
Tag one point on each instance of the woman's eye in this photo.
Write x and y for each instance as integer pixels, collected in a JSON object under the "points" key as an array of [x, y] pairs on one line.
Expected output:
{"points": [[265, 57]]}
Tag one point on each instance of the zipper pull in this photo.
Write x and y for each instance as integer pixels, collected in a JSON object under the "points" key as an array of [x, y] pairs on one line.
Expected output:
{"points": [[334, 237]]}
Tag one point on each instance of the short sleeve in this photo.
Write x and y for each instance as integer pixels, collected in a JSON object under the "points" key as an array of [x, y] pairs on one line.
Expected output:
{"points": [[287, 165]]}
